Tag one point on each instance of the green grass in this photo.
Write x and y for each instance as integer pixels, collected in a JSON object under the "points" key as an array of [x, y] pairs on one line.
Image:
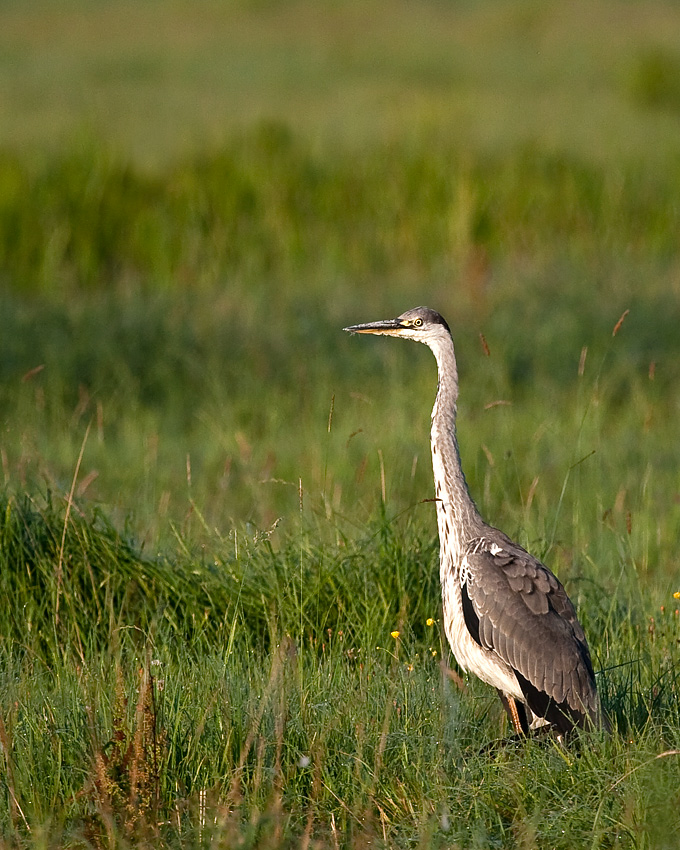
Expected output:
{"points": [[202, 576], [215, 505], [258, 696]]}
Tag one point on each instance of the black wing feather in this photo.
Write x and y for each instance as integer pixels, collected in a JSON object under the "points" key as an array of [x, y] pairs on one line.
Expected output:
{"points": [[470, 615]]}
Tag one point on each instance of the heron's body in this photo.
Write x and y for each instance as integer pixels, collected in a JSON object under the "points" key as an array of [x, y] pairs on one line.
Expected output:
{"points": [[507, 618]]}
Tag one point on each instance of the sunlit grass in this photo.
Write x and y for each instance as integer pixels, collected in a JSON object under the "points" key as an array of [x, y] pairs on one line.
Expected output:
{"points": [[218, 558], [243, 692], [268, 666]]}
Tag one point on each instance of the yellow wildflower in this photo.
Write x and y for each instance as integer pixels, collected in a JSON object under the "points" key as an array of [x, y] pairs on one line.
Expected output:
{"points": [[676, 595], [429, 621], [395, 634]]}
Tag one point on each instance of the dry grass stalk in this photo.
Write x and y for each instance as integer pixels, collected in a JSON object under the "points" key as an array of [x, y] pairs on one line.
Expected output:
{"points": [[125, 781]]}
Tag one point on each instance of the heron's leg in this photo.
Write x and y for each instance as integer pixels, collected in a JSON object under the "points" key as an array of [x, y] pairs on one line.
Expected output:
{"points": [[516, 713]]}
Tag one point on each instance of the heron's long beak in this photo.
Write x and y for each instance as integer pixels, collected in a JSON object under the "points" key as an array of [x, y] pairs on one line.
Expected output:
{"points": [[387, 326]]}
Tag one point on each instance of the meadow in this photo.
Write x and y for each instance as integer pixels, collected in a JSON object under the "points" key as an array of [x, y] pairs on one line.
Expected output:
{"points": [[218, 552]]}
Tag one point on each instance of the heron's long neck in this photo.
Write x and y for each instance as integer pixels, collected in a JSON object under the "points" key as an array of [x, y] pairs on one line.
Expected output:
{"points": [[457, 515]]}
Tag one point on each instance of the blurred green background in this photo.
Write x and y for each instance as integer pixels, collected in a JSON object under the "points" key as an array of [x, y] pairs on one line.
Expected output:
{"points": [[196, 197], [159, 80]]}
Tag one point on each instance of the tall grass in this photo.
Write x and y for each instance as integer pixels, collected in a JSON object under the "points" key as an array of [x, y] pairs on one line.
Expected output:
{"points": [[268, 208], [217, 555], [165, 335], [258, 696]]}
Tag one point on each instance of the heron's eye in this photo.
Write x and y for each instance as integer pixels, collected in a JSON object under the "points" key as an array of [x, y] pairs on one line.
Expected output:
{"points": [[417, 323]]}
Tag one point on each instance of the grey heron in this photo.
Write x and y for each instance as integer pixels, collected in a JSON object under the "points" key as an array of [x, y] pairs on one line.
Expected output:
{"points": [[507, 618]]}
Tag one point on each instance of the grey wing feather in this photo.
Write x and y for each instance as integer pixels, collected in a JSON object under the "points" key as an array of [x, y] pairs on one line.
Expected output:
{"points": [[527, 618]]}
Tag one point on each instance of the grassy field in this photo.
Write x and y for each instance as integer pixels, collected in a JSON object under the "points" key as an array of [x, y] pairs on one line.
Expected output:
{"points": [[222, 617], [160, 80]]}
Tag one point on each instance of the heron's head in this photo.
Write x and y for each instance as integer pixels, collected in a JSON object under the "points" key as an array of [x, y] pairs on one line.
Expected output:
{"points": [[420, 324]]}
